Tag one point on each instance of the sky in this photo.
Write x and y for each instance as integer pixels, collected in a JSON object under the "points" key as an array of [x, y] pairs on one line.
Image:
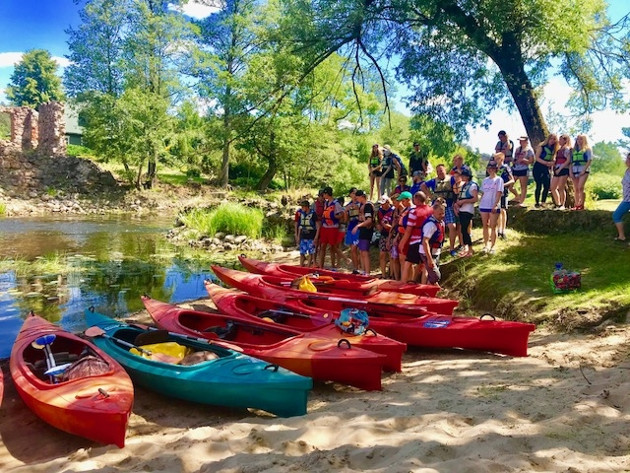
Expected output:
{"points": [[29, 24]]}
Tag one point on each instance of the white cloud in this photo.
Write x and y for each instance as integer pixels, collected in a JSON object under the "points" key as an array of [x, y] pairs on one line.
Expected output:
{"points": [[11, 59], [198, 9]]}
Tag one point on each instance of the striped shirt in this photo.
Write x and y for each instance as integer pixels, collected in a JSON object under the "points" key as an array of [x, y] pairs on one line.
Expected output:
{"points": [[625, 183]]}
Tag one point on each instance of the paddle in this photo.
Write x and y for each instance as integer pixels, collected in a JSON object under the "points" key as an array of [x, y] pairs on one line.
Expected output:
{"points": [[151, 330], [43, 343], [96, 331]]}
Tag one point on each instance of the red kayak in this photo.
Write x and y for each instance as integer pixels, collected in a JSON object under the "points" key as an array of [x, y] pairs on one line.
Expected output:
{"points": [[236, 303], [70, 383], [272, 287], [431, 331], [305, 354], [356, 285]]}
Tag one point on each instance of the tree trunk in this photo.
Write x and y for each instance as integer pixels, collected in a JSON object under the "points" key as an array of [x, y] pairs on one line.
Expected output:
{"points": [[269, 174], [225, 160], [139, 175]]}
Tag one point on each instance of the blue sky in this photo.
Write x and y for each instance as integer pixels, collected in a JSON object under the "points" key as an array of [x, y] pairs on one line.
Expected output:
{"points": [[28, 24]]}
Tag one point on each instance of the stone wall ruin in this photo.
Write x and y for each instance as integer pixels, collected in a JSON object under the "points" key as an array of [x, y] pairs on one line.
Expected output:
{"points": [[44, 131]]}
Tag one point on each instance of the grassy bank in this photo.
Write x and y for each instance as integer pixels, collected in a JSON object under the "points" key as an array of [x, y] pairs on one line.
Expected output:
{"points": [[515, 282]]}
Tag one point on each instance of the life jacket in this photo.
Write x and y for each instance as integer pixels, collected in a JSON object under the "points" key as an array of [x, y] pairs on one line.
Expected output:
{"points": [[579, 157], [403, 218], [444, 189], [353, 211], [546, 154], [385, 216], [464, 192], [307, 220], [504, 173], [375, 160], [437, 239], [561, 156], [328, 216], [416, 231]]}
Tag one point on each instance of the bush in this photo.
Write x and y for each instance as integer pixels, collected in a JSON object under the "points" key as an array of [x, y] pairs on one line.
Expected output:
{"points": [[231, 218], [604, 186], [79, 151]]}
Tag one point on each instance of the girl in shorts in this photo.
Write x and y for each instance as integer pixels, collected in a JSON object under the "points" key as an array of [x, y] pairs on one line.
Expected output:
{"points": [[580, 167], [561, 172], [490, 206]]}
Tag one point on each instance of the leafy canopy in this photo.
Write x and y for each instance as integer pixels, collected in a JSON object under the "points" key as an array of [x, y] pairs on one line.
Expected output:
{"points": [[34, 80]]}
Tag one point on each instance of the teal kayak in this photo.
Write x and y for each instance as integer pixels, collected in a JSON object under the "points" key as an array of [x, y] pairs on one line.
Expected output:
{"points": [[228, 379]]}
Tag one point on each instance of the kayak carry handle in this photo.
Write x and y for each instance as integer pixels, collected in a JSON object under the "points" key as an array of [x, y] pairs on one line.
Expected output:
{"points": [[374, 334], [489, 315], [342, 341], [272, 367]]}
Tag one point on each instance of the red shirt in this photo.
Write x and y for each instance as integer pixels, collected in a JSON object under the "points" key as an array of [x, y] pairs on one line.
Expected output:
{"points": [[416, 219]]}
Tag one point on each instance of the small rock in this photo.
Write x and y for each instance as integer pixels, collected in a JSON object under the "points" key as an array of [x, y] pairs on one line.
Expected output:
{"points": [[219, 235], [229, 238], [239, 240]]}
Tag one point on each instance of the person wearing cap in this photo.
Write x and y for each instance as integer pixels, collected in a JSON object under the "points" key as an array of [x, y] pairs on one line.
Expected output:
{"points": [[505, 173], [352, 210], [412, 237], [580, 167], [464, 208], [365, 230], [418, 161], [490, 206], [329, 231], [375, 169], [384, 221], [443, 186], [523, 157], [306, 232]]}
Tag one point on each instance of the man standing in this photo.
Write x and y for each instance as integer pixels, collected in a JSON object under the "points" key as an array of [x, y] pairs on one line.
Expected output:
{"points": [[413, 234], [365, 229], [418, 161], [443, 186], [431, 247]]}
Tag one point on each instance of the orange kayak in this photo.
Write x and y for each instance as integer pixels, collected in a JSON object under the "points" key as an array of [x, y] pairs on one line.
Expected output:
{"points": [[237, 303], [352, 284], [309, 355], [70, 383], [272, 287]]}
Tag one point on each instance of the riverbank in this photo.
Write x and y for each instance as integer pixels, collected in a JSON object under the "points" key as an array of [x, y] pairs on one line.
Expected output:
{"points": [[562, 409]]}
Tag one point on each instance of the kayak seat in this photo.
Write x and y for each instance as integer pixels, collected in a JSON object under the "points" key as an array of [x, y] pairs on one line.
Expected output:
{"points": [[225, 333], [61, 358]]}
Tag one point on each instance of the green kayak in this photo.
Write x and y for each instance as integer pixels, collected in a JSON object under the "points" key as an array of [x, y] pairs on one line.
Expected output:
{"points": [[223, 377]]}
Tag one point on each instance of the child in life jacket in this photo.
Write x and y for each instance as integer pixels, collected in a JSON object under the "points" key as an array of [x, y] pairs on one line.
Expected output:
{"points": [[306, 232]]}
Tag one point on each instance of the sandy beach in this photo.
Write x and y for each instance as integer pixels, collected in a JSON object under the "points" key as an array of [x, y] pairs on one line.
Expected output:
{"points": [[564, 408]]}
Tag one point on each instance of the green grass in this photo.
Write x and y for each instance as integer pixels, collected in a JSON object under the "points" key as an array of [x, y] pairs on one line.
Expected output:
{"points": [[179, 178], [515, 282], [3, 209], [230, 218]]}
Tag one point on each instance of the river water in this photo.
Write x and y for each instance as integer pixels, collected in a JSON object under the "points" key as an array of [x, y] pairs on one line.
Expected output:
{"points": [[58, 267]]}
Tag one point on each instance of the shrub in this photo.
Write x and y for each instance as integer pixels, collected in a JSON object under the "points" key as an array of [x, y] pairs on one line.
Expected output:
{"points": [[232, 218], [604, 186], [78, 151]]}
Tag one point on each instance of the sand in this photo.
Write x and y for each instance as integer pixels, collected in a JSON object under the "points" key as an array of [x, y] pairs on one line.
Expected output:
{"points": [[565, 408]]}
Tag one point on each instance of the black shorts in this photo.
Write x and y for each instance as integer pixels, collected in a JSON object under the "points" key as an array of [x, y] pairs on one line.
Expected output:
{"points": [[376, 173], [413, 254], [520, 173], [563, 172]]}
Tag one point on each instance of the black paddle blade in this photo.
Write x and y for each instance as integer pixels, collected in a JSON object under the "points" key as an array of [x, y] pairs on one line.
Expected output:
{"points": [[151, 337]]}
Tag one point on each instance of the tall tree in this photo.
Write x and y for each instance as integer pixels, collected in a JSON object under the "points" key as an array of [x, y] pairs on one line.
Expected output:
{"points": [[34, 80], [462, 58]]}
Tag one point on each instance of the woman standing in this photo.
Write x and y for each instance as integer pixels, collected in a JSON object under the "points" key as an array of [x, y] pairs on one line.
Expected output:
{"points": [[561, 171], [490, 206], [545, 159], [580, 167], [523, 157], [624, 206], [465, 208], [375, 166]]}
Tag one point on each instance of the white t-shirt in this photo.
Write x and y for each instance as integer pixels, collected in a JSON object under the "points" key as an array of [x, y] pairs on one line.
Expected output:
{"points": [[490, 187], [428, 229]]}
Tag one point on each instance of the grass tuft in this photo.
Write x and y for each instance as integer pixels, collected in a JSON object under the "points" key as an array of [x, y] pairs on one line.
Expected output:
{"points": [[231, 218]]}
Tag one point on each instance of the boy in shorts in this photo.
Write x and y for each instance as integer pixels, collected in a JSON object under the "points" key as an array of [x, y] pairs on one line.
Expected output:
{"points": [[306, 232]]}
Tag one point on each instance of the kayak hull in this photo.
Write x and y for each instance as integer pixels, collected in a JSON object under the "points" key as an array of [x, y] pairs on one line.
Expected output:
{"points": [[320, 358], [352, 284], [272, 287], [232, 379], [239, 304], [95, 407]]}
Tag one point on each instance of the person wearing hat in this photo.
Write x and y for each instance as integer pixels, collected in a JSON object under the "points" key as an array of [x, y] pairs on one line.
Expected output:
{"points": [[464, 208], [384, 221], [413, 236], [490, 206], [418, 161], [365, 230], [523, 158], [306, 232]]}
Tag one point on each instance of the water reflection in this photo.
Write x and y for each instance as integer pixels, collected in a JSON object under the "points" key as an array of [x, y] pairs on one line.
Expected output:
{"points": [[75, 263]]}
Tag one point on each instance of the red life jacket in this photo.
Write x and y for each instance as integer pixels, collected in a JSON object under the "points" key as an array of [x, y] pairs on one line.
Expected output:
{"points": [[328, 216], [423, 212]]}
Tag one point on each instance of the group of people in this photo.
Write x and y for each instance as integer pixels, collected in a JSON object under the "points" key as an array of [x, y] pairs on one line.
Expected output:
{"points": [[414, 219]]}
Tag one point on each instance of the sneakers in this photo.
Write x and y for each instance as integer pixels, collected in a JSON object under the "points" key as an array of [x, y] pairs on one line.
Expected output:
{"points": [[501, 236], [538, 206], [485, 250], [453, 253], [491, 251], [561, 207]]}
